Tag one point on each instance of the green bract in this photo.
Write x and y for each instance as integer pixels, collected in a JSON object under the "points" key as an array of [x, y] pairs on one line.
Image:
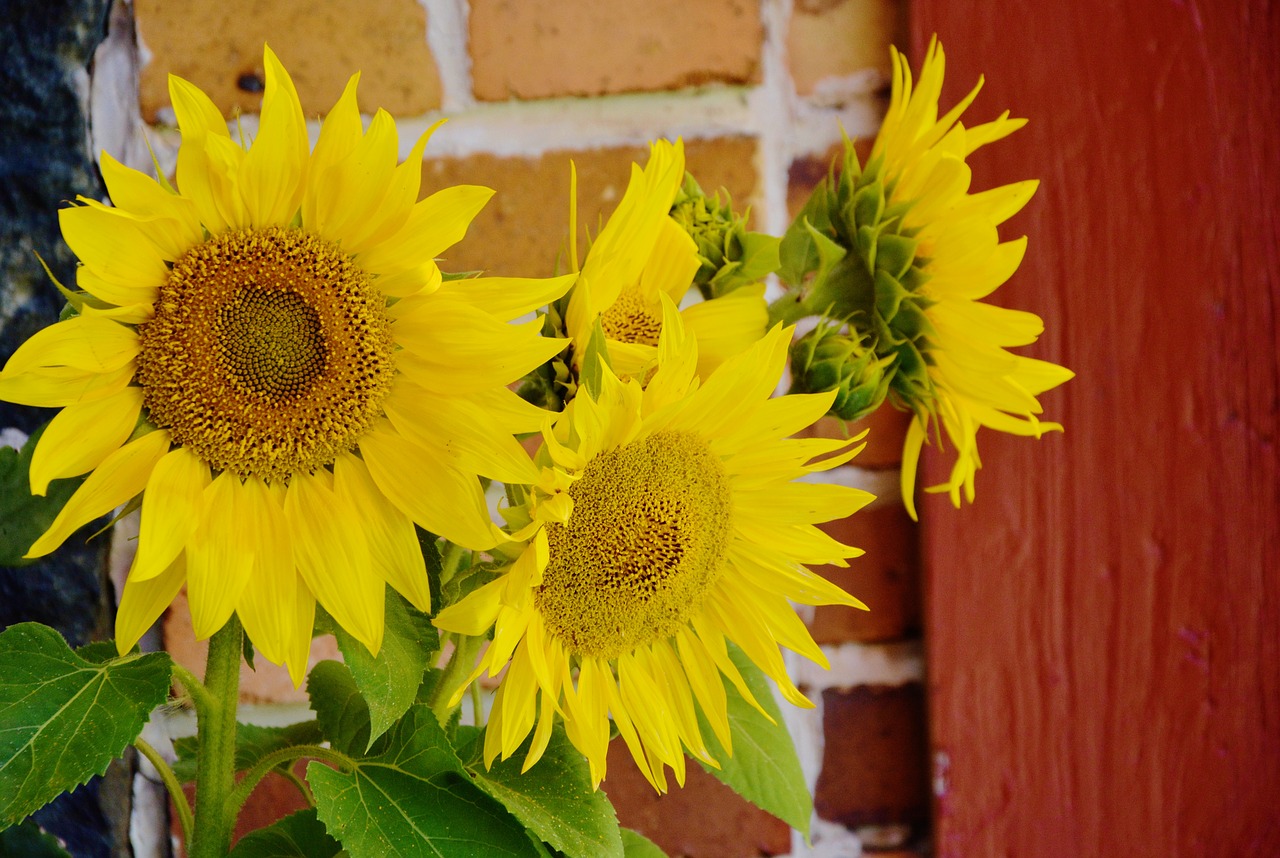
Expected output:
{"points": [[731, 257], [849, 259]]}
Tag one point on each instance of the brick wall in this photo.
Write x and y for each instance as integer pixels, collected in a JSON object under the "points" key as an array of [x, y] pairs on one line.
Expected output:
{"points": [[759, 91]]}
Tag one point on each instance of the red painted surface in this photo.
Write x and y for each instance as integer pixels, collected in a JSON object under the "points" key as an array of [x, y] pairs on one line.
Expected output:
{"points": [[1104, 625]]}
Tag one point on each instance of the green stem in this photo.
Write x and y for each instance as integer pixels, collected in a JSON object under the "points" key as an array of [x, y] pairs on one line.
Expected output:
{"points": [[298, 782], [193, 686], [267, 764], [170, 780], [461, 663], [216, 757], [477, 706], [450, 562]]}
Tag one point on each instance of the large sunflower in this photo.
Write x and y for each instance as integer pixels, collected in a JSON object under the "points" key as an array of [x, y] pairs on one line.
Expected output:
{"points": [[269, 357], [640, 255], [668, 520]]}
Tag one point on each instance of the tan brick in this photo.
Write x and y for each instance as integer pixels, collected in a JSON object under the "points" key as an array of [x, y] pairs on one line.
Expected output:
{"points": [[833, 38], [217, 45], [886, 578], [705, 819], [523, 231], [269, 683], [548, 48], [874, 761]]}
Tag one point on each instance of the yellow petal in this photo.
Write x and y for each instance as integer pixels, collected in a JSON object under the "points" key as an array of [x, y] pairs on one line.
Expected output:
{"points": [[393, 542], [304, 618], [136, 192], [142, 602], [81, 436], [219, 557], [82, 342], [464, 432], [475, 614], [349, 193], [339, 135], [271, 178], [726, 326], [435, 224], [60, 386], [116, 248], [671, 264], [266, 605], [172, 507], [453, 506], [333, 555], [508, 298], [121, 475]]}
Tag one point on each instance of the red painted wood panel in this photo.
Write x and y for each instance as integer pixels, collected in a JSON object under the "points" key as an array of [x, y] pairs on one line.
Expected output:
{"points": [[1104, 625]]}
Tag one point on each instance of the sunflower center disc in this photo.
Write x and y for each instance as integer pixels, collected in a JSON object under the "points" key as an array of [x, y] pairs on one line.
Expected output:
{"points": [[269, 354], [628, 320], [645, 543]]}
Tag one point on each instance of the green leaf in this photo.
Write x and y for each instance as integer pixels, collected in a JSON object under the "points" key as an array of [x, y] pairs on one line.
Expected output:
{"points": [[764, 768], [554, 799], [595, 360], [341, 712], [411, 797], [28, 841], [252, 744], [23, 516], [389, 681], [760, 256], [298, 835], [65, 717], [636, 845]]}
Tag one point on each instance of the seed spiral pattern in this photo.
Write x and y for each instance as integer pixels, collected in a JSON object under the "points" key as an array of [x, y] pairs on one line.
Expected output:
{"points": [[646, 541], [269, 354]]}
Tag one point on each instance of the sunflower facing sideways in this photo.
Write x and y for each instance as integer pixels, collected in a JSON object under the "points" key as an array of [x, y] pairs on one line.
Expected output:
{"points": [[269, 357], [640, 255], [922, 253], [669, 519]]}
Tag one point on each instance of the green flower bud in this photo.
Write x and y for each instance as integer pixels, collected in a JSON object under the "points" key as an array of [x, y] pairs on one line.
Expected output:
{"points": [[848, 258], [825, 359], [730, 255]]}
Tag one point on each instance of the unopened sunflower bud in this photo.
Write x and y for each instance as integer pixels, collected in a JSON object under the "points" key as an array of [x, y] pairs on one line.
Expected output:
{"points": [[730, 255], [825, 359]]}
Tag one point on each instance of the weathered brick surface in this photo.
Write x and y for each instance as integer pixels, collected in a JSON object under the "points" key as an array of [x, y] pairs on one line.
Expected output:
{"points": [[705, 819], [268, 683], [217, 45], [547, 48], [524, 229], [886, 578], [874, 764], [830, 38]]}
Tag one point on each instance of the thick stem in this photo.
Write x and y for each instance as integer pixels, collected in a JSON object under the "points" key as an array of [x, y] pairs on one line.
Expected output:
{"points": [[455, 674], [216, 757]]}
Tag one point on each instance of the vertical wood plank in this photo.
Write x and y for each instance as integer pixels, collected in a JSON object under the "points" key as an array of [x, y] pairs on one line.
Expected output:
{"points": [[1104, 625]]}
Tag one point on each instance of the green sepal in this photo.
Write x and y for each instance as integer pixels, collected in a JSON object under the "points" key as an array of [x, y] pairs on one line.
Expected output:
{"points": [[594, 360], [66, 717]]}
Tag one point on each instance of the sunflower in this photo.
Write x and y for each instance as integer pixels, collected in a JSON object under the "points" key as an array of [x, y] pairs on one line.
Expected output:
{"points": [[269, 357], [975, 381], [641, 254], [668, 520], [922, 252]]}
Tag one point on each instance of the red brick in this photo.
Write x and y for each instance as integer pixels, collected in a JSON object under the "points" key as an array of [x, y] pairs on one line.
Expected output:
{"points": [[874, 763], [216, 43], [886, 578], [549, 48], [705, 819]]}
